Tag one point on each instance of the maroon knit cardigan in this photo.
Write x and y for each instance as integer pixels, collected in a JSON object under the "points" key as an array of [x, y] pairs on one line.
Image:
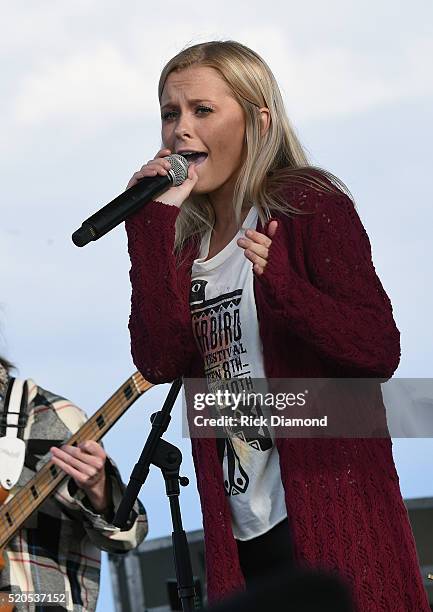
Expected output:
{"points": [[322, 313]]}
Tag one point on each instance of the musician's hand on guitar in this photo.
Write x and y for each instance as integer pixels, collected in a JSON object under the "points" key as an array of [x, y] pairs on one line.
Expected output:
{"points": [[85, 463]]}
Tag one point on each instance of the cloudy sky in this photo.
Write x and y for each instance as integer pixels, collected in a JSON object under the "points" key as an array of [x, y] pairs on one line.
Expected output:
{"points": [[79, 115]]}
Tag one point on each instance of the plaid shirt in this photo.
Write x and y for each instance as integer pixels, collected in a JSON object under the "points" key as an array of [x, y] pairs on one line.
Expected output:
{"points": [[58, 549]]}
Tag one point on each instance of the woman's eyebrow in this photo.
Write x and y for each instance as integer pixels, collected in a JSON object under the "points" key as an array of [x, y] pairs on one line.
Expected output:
{"points": [[190, 102]]}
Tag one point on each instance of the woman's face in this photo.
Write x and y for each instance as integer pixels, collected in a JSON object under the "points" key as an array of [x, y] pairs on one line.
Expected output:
{"points": [[199, 114]]}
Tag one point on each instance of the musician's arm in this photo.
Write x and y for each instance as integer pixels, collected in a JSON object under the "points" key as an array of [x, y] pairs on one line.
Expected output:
{"points": [[98, 524], [76, 503]]}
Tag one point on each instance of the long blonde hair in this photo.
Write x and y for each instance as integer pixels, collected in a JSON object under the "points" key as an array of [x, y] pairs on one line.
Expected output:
{"points": [[270, 160]]}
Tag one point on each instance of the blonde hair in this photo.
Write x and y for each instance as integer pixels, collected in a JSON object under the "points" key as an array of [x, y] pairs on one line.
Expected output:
{"points": [[270, 160]]}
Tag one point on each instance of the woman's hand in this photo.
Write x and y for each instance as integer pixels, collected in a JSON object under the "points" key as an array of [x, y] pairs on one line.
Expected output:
{"points": [[256, 246], [85, 463], [175, 195]]}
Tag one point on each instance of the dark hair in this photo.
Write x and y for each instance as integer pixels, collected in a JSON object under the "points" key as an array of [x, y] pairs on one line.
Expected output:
{"points": [[6, 364]]}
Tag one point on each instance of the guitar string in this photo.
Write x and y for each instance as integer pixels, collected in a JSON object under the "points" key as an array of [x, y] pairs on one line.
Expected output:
{"points": [[110, 408]]}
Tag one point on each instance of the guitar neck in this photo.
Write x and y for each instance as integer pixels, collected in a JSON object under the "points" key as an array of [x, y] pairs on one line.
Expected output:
{"points": [[28, 498]]}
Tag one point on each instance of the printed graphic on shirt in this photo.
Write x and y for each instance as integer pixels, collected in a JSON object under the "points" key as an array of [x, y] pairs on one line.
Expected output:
{"points": [[217, 329]]}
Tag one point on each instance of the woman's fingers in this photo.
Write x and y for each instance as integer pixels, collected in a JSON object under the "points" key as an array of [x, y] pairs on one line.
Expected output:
{"points": [[258, 269], [79, 467], [157, 165], [93, 448], [83, 461], [256, 253], [192, 174], [175, 195], [259, 249], [272, 228], [77, 475], [162, 153], [256, 259], [86, 469], [259, 238], [256, 246]]}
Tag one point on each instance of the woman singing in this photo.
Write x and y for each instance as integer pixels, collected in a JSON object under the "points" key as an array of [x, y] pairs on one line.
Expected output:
{"points": [[274, 250]]}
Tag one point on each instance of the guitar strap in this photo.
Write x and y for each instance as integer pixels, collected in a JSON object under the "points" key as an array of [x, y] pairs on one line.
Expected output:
{"points": [[12, 425]]}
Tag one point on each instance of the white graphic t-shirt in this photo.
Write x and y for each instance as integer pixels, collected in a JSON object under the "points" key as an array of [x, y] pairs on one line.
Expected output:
{"points": [[225, 326]]}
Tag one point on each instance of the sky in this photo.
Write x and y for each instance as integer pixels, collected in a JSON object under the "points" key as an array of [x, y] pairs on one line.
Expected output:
{"points": [[79, 114]]}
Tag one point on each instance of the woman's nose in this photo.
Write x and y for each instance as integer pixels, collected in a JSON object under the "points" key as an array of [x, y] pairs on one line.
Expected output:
{"points": [[183, 128]]}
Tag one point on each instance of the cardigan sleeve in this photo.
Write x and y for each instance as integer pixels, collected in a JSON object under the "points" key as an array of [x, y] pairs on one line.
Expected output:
{"points": [[162, 342], [342, 310]]}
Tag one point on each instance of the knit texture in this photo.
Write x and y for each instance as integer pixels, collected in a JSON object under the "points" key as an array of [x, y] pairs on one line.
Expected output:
{"points": [[322, 313]]}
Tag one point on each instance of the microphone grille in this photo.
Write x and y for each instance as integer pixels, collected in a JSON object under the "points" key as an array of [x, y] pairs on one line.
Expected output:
{"points": [[179, 168]]}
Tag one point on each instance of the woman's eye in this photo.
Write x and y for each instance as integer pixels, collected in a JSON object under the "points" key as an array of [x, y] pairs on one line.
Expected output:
{"points": [[167, 115], [203, 110], [207, 109]]}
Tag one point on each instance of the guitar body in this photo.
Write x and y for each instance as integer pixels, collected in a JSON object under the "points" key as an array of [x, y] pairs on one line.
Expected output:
{"points": [[6, 607], [3, 494]]}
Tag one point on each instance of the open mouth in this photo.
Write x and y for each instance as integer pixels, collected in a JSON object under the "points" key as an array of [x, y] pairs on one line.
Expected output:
{"points": [[197, 158]]}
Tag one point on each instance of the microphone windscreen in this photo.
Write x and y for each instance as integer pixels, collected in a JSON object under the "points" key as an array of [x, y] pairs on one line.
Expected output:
{"points": [[179, 168]]}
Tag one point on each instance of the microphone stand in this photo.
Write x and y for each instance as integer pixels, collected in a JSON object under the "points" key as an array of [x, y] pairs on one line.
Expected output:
{"points": [[168, 458]]}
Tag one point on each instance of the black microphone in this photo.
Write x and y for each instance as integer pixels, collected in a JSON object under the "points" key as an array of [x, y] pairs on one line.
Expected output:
{"points": [[130, 201]]}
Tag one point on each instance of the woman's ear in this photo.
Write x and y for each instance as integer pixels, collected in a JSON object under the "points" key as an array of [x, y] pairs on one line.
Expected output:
{"points": [[265, 118]]}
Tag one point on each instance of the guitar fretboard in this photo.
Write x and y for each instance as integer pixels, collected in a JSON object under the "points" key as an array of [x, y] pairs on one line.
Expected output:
{"points": [[28, 498]]}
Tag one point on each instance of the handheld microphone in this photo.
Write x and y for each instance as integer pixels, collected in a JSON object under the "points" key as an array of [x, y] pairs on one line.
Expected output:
{"points": [[131, 200]]}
